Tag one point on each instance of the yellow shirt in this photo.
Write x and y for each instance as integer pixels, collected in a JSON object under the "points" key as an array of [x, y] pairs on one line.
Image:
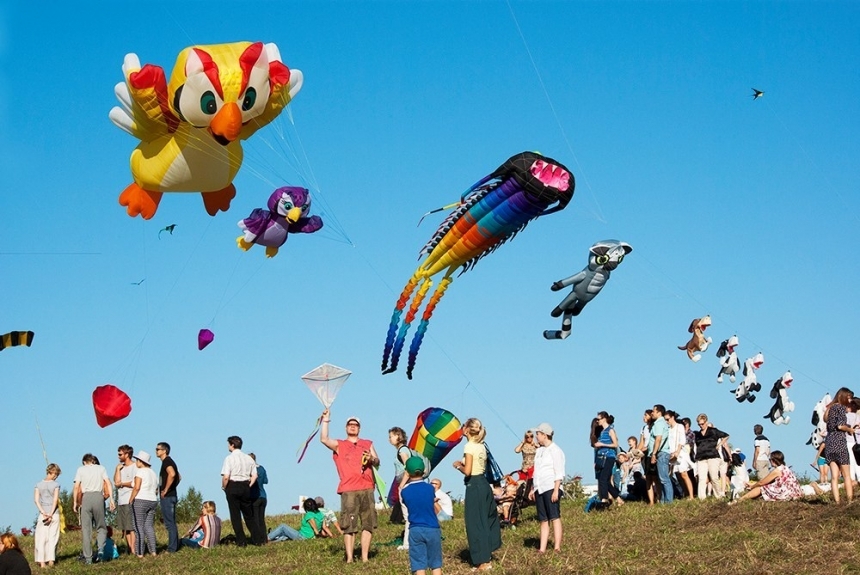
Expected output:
{"points": [[479, 456]]}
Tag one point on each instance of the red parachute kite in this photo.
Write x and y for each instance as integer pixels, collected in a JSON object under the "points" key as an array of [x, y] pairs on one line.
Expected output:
{"points": [[110, 404]]}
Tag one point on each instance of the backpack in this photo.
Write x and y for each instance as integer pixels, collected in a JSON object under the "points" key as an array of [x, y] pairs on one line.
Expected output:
{"points": [[492, 471], [412, 453], [427, 466]]}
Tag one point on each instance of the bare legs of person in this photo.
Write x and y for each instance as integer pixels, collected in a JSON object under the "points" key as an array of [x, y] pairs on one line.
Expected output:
{"points": [[845, 471], [556, 535], [751, 494], [349, 543], [684, 477]]}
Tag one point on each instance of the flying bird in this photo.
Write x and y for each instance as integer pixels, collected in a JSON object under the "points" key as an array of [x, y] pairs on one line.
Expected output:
{"points": [[757, 94]]}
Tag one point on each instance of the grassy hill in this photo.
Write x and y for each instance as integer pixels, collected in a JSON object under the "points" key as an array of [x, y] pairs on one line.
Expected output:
{"points": [[687, 537]]}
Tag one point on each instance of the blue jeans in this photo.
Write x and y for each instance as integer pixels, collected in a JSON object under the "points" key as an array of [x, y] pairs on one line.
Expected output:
{"points": [[665, 476], [168, 515], [284, 532]]}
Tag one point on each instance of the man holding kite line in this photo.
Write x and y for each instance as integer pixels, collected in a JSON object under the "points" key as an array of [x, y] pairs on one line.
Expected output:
{"points": [[354, 459]]}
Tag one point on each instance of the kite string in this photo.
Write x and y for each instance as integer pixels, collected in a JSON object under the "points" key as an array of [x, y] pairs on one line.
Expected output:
{"points": [[813, 162], [731, 327], [599, 215], [138, 348], [241, 288]]}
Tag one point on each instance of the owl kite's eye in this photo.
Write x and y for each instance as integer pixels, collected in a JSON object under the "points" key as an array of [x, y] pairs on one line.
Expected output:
{"points": [[208, 104], [250, 99], [602, 259]]}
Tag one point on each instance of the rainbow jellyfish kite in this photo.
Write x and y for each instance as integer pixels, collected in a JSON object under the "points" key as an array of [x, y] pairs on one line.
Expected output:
{"points": [[437, 432], [491, 212]]}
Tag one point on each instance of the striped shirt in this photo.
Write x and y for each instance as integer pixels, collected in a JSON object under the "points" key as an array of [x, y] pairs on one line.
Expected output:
{"points": [[211, 526]]}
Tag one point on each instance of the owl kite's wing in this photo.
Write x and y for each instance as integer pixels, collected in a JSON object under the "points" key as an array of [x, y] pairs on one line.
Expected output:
{"points": [[144, 111]]}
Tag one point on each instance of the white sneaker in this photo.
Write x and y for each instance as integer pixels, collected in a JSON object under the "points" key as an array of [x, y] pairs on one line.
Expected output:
{"points": [[403, 547]]}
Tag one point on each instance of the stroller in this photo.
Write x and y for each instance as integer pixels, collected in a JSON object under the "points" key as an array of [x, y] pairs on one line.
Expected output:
{"points": [[513, 496]]}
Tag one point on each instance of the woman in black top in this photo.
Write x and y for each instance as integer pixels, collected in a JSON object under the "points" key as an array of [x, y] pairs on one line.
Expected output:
{"points": [[707, 457], [12, 560]]}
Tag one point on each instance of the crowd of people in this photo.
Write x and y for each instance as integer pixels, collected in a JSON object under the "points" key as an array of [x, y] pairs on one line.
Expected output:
{"points": [[667, 460]]}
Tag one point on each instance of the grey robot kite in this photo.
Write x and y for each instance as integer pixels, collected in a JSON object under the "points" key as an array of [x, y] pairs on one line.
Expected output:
{"points": [[605, 257]]}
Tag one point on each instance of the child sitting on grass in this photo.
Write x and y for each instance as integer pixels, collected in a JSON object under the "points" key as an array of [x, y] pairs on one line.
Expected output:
{"points": [[329, 519], [110, 551], [425, 536]]}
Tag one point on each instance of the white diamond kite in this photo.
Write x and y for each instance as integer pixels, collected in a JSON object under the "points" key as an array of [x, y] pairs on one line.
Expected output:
{"points": [[325, 382]]}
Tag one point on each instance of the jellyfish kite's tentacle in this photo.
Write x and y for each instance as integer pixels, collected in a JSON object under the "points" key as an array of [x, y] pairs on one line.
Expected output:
{"points": [[395, 318], [425, 321], [426, 284]]}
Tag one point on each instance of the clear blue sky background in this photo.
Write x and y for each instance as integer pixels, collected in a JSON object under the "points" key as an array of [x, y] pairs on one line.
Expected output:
{"points": [[743, 209]]}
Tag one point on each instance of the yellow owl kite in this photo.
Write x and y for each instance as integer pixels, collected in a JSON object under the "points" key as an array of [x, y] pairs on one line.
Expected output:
{"points": [[190, 129]]}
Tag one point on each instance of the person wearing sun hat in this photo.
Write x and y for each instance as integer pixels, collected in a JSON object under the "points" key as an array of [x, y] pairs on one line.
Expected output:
{"points": [[355, 460], [425, 536], [143, 501], [548, 475]]}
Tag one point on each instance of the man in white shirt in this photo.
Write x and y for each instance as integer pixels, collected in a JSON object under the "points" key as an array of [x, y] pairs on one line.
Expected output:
{"points": [[548, 475], [761, 454], [92, 487], [238, 474], [443, 505], [123, 479]]}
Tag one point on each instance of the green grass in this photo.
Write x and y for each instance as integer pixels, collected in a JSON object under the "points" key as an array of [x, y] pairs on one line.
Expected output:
{"points": [[687, 537]]}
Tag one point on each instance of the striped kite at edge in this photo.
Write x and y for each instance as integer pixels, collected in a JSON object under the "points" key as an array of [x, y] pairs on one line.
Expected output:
{"points": [[491, 212]]}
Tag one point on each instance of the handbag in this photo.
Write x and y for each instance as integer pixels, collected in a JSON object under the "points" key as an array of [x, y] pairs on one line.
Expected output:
{"points": [[856, 450]]}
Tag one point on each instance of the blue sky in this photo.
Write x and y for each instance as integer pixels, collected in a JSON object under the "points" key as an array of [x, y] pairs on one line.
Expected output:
{"points": [[746, 210]]}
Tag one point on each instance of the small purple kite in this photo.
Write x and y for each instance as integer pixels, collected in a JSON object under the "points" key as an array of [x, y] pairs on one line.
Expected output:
{"points": [[204, 338]]}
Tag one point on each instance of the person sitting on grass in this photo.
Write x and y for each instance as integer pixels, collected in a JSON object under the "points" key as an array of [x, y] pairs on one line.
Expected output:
{"points": [[110, 552], [312, 522], [206, 533], [12, 560], [444, 506], [329, 519], [778, 485], [425, 536]]}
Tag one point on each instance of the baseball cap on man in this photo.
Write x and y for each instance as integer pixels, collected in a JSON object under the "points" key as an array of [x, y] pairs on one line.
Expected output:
{"points": [[544, 428], [414, 465], [355, 419]]}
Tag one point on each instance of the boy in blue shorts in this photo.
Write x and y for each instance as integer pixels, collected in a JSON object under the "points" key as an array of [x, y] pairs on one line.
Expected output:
{"points": [[425, 536]]}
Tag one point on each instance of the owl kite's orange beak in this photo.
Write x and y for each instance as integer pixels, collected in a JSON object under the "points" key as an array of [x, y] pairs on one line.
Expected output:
{"points": [[226, 124]]}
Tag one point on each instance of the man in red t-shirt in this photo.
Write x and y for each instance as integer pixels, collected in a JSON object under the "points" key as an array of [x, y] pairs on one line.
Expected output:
{"points": [[353, 458]]}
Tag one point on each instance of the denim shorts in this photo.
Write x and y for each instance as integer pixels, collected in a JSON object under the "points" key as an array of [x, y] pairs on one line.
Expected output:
{"points": [[425, 548]]}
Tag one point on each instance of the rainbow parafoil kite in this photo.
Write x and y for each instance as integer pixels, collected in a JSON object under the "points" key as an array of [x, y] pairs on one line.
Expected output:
{"points": [[491, 212], [436, 433], [15, 338], [190, 128], [110, 404]]}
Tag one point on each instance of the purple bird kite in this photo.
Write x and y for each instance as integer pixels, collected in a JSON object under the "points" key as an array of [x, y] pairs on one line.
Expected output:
{"points": [[287, 214]]}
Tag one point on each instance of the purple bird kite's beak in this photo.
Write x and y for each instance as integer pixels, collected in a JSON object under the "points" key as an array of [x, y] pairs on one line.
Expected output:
{"points": [[294, 214]]}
